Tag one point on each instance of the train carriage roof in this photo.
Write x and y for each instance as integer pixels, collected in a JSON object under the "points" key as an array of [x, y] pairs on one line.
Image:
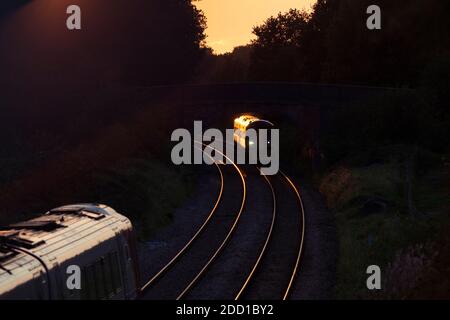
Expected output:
{"points": [[246, 120], [56, 236]]}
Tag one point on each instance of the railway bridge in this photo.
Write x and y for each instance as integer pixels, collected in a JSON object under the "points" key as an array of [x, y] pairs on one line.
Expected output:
{"points": [[298, 101], [306, 106]]}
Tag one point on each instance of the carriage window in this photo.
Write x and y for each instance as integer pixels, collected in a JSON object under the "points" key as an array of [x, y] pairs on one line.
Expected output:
{"points": [[84, 284], [99, 279], [102, 279], [90, 281], [109, 279], [115, 272], [39, 284]]}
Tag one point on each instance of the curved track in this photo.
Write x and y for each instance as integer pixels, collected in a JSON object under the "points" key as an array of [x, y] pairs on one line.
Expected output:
{"points": [[266, 243], [182, 272], [166, 267], [276, 257]]}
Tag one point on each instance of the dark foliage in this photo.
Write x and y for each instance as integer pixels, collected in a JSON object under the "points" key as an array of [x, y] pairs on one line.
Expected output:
{"points": [[54, 81], [68, 99], [333, 45]]}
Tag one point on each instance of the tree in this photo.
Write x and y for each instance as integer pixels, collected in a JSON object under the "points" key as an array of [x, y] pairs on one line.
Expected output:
{"points": [[277, 48], [49, 72], [163, 41], [333, 45]]}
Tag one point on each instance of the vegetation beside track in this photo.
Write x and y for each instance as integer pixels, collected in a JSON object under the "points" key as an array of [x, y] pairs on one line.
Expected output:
{"points": [[123, 164], [383, 167]]}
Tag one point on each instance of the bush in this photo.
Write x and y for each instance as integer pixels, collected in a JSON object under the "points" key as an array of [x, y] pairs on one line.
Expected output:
{"points": [[144, 190], [346, 187]]}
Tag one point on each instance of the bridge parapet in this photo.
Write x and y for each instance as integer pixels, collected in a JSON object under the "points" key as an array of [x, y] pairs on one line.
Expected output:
{"points": [[262, 92]]}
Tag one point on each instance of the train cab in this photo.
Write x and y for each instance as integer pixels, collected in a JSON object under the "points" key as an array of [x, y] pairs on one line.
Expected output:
{"points": [[247, 138], [83, 251]]}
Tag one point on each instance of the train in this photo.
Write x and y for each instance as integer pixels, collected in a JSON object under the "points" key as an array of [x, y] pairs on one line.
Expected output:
{"points": [[82, 251], [73, 252], [247, 136], [243, 124]]}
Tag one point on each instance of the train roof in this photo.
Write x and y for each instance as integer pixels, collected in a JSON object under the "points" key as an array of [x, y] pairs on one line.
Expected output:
{"points": [[56, 236], [247, 120]]}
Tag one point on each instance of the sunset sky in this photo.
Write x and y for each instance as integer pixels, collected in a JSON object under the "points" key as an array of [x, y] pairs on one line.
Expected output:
{"points": [[230, 22]]}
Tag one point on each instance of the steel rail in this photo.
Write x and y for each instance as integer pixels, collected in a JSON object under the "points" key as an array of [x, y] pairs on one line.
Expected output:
{"points": [[266, 243], [227, 238], [302, 238], [166, 267]]}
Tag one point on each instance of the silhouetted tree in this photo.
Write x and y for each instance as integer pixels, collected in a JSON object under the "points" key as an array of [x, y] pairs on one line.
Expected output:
{"points": [[228, 67], [277, 48], [333, 44], [163, 42], [49, 73], [412, 35]]}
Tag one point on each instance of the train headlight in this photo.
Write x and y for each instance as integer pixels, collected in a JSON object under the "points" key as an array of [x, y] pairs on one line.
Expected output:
{"points": [[251, 143]]}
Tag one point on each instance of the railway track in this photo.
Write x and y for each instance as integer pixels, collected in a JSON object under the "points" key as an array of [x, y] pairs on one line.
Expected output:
{"points": [[274, 256], [262, 276], [182, 272], [273, 274], [168, 265]]}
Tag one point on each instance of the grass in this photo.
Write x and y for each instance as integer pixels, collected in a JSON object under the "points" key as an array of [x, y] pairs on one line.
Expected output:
{"points": [[122, 163], [377, 239], [145, 190], [348, 187]]}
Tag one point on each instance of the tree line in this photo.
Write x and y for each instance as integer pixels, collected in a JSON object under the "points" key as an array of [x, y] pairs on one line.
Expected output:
{"points": [[331, 44]]}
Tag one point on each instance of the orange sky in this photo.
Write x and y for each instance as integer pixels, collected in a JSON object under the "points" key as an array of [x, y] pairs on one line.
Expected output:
{"points": [[230, 22]]}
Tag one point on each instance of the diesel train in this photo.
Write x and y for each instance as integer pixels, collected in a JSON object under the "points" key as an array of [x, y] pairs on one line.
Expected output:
{"points": [[83, 251], [243, 125]]}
